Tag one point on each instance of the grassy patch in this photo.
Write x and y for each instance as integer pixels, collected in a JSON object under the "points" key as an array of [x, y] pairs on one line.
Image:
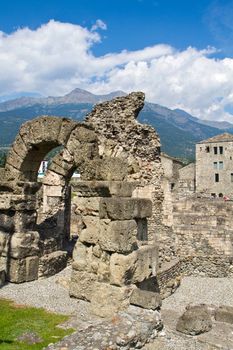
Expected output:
{"points": [[21, 326]]}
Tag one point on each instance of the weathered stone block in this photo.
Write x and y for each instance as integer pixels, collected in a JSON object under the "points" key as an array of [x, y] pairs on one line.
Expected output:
{"points": [[87, 205], [122, 268], [2, 277], [195, 320], [14, 159], [52, 263], [121, 188], [5, 201], [23, 244], [82, 285], [83, 134], [23, 203], [7, 221], [25, 220], [145, 299], [40, 130], [23, 270], [118, 236], [90, 234], [147, 262], [67, 127], [81, 257], [4, 243], [103, 271], [3, 263], [20, 147], [125, 208], [112, 169], [106, 300], [134, 267]]}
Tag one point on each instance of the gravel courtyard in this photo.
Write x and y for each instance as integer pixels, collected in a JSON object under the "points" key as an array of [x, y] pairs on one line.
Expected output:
{"points": [[52, 294]]}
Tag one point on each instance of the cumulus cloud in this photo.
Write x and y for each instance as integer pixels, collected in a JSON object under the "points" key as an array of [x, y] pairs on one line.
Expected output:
{"points": [[58, 57]]}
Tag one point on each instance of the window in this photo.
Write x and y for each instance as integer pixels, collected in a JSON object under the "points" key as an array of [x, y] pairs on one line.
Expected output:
{"points": [[231, 177], [215, 150], [220, 165], [207, 149], [220, 195], [216, 177], [213, 195], [215, 165], [221, 150]]}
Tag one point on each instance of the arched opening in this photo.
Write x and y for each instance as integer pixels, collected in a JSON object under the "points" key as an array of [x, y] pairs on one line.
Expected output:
{"points": [[72, 145]]}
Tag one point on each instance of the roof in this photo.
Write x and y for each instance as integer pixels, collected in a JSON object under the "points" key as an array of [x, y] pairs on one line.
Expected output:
{"points": [[226, 137], [172, 158]]}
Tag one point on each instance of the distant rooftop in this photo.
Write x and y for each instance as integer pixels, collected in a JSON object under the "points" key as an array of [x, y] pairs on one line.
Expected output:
{"points": [[226, 137]]}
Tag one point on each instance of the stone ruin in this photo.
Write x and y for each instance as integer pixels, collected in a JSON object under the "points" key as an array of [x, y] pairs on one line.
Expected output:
{"points": [[118, 198]]}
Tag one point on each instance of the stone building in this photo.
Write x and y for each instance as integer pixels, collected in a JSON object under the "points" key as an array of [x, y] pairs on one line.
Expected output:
{"points": [[214, 166]]}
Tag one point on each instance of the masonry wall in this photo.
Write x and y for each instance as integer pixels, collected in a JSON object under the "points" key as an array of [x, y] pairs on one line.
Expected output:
{"points": [[187, 182], [204, 235]]}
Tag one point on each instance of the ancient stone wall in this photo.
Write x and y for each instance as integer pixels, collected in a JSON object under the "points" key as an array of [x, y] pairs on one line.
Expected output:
{"points": [[204, 235], [30, 248], [115, 257], [120, 135], [112, 255]]}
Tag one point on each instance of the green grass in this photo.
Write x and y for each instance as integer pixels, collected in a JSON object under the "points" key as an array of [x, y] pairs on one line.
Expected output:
{"points": [[16, 320]]}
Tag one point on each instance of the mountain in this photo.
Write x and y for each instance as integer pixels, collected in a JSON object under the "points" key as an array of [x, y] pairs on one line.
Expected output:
{"points": [[178, 130], [74, 97], [216, 124]]}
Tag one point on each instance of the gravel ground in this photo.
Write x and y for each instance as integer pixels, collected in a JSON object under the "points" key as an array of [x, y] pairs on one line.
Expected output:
{"points": [[52, 294], [46, 293], [198, 290]]}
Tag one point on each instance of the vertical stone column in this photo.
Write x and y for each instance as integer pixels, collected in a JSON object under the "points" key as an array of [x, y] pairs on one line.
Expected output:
{"points": [[53, 225], [113, 263], [19, 241]]}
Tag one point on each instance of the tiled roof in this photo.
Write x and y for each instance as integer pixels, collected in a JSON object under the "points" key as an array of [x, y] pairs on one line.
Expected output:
{"points": [[226, 137]]}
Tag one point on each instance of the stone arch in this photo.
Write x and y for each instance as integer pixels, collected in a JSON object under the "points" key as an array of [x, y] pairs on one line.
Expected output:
{"points": [[37, 137]]}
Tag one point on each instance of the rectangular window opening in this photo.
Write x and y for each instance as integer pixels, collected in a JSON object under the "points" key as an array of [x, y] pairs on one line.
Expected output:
{"points": [[215, 165], [216, 177], [220, 165], [215, 150], [231, 177], [221, 149]]}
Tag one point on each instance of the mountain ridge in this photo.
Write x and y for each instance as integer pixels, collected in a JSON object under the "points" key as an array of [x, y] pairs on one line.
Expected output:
{"points": [[75, 96], [178, 130]]}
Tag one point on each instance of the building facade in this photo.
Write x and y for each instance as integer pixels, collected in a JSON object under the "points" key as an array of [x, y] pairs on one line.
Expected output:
{"points": [[214, 166]]}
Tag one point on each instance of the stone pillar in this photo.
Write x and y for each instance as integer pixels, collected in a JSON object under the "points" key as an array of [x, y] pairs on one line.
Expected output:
{"points": [[53, 226], [113, 263], [19, 242]]}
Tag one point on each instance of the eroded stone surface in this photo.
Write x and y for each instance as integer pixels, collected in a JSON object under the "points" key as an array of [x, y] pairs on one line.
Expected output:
{"points": [[114, 251]]}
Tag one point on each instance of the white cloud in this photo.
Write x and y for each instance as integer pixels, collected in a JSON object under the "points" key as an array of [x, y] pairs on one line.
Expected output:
{"points": [[58, 57], [99, 24]]}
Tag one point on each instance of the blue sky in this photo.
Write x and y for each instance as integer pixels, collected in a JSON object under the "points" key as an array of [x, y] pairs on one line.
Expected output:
{"points": [[132, 24], [178, 52]]}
